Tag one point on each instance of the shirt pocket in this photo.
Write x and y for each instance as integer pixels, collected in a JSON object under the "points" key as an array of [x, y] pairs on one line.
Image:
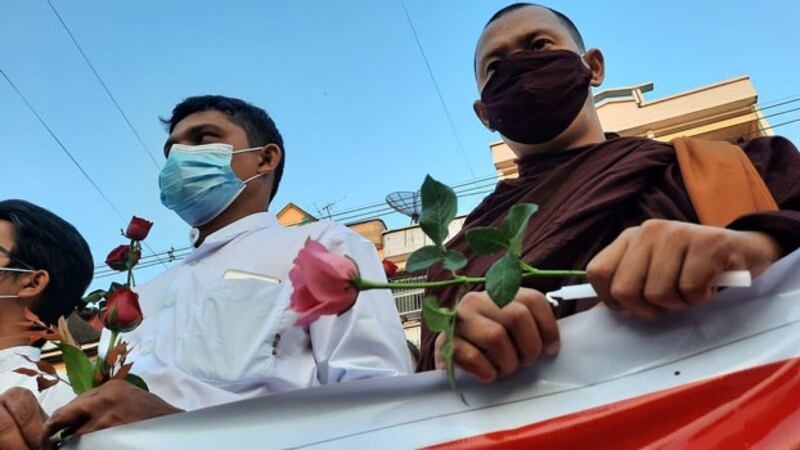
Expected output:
{"points": [[227, 334]]}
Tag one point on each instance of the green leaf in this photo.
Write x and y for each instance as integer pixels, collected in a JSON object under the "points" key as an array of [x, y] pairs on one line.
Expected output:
{"points": [[503, 279], [454, 260], [486, 240], [423, 258], [114, 286], [80, 370], [437, 318], [137, 381], [515, 225], [439, 207], [447, 354], [95, 296]]}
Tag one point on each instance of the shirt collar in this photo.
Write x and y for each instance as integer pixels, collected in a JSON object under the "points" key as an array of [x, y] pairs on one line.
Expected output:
{"points": [[11, 358], [230, 232]]}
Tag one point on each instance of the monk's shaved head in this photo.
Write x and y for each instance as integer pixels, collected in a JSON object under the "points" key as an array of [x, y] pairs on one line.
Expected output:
{"points": [[523, 26], [566, 21]]}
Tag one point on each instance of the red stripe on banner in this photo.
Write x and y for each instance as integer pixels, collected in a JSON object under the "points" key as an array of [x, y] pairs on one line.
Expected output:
{"points": [[753, 408]]}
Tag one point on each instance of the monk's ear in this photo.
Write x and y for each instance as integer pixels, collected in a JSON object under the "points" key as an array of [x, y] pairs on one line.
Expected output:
{"points": [[594, 58], [483, 115]]}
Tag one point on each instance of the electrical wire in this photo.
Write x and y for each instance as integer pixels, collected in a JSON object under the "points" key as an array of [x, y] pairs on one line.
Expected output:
{"points": [[180, 253], [105, 86], [438, 91], [65, 150]]}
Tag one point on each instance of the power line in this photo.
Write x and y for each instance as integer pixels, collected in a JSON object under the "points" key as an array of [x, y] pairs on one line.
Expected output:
{"points": [[62, 146], [181, 253], [468, 191], [383, 203], [377, 208], [731, 113], [105, 87], [772, 127], [438, 91], [383, 211], [65, 150]]}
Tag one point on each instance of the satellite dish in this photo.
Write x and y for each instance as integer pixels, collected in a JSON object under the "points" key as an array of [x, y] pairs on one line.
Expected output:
{"points": [[407, 203]]}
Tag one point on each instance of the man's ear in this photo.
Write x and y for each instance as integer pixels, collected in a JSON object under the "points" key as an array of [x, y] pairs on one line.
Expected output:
{"points": [[32, 285], [270, 157], [483, 115], [594, 57]]}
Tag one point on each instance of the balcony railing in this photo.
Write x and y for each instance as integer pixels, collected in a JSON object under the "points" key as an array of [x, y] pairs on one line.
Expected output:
{"points": [[409, 301]]}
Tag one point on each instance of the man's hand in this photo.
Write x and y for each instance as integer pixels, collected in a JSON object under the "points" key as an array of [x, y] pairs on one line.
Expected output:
{"points": [[21, 420], [114, 403], [667, 265], [490, 341]]}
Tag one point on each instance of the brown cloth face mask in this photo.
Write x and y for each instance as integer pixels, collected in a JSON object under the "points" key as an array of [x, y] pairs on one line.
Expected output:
{"points": [[534, 95]]}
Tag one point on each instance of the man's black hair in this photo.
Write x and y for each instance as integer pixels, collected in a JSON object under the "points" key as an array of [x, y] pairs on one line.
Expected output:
{"points": [[566, 21], [44, 241], [256, 123]]}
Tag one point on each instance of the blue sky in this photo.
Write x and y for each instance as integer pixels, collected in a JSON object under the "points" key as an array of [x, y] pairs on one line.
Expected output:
{"points": [[344, 81]]}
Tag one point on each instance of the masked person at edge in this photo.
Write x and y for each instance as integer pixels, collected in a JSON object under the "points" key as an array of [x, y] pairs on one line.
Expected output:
{"points": [[207, 339], [45, 267], [616, 206]]}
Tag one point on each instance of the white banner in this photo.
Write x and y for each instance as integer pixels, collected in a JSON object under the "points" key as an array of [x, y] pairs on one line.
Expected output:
{"points": [[605, 358]]}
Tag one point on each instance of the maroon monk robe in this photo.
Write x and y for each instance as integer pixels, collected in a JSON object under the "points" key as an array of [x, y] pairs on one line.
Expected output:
{"points": [[587, 196]]}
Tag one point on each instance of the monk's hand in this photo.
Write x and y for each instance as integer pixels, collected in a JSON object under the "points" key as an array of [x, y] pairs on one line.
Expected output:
{"points": [[666, 265], [114, 403], [21, 420], [491, 341]]}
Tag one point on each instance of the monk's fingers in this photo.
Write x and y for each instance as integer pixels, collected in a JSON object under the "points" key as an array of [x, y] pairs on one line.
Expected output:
{"points": [[479, 303], [705, 260], [471, 359], [603, 266], [519, 321], [24, 409], [627, 287], [663, 277], [490, 336], [11, 437]]}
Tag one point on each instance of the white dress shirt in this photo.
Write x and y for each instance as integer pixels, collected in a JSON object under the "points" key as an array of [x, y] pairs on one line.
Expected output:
{"points": [[207, 340], [12, 358]]}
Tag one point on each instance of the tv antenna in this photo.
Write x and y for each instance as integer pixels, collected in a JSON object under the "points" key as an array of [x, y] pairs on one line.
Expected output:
{"points": [[324, 210], [406, 203]]}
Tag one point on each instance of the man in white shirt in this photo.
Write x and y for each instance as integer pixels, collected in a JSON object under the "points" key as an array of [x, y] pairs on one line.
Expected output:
{"points": [[45, 266], [218, 327]]}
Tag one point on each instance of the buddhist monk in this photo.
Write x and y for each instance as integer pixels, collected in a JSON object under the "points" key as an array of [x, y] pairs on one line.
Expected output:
{"points": [[615, 206]]}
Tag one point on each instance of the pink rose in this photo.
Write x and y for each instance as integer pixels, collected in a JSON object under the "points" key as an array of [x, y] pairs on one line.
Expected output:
{"points": [[323, 283], [138, 229]]}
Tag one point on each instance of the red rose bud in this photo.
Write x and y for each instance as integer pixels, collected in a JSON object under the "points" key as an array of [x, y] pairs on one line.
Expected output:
{"points": [[118, 258], [323, 283], [122, 312], [389, 268], [138, 229]]}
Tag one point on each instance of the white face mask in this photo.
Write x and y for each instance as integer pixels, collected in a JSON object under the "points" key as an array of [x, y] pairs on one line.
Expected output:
{"points": [[11, 269]]}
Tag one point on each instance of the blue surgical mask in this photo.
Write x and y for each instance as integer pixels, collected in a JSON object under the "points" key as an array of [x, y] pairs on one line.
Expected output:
{"points": [[198, 183]]}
